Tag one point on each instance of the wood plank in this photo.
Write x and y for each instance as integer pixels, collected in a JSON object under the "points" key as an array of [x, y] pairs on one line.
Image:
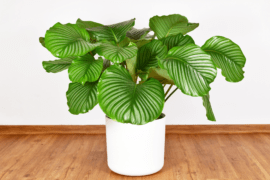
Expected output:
{"points": [[189, 157], [244, 166], [100, 129]]}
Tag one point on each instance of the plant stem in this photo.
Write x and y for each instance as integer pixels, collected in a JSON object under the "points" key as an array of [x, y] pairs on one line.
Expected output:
{"points": [[171, 94], [136, 77], [168, 90], [164, 85]]}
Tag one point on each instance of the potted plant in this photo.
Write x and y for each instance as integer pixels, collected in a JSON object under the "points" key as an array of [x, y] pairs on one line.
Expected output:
{"points": [[125, 71]]}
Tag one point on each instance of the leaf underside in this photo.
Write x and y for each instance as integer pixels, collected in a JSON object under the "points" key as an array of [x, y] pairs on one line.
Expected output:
{"points": [[87, 24], [42, 41], [209, 111], [136, 34], [131, 67], [161, 75]]}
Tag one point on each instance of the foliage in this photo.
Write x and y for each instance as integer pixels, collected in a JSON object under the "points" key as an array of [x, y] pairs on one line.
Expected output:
{"points": [[125, 70]]}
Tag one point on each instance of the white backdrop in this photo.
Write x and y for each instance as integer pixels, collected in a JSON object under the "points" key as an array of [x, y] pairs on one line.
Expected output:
{"points": [[30, 96]]}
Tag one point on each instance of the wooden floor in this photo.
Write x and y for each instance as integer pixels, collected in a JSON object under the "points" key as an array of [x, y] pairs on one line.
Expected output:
{"points": [[187, 157]]}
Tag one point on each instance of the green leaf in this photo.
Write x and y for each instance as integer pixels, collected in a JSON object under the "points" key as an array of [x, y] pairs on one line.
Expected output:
{"points": [[137, 33], [131, 66], [161, 75], [42, 41], [140, 43], [68, 40], [191, 69], [143, 76], [164, 26], [209, 111], [82, 98], [125, 42], [87, 24], [85, 68], [189, 27], [147, 55], [177, 40], [127, 102], [57, 65], [227, 56], [115, 53], [115, 32]]}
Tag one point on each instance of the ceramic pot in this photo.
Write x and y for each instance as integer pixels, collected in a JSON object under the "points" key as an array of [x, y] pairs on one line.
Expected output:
{"points": [[135, 150]]}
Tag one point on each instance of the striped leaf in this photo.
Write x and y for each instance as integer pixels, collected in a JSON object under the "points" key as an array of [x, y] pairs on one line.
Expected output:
{"points": [[189, 27], [115, 32], [85, 68], [164, 26], [127, 102], [177, 40], [191, 69], [82, 98], [68, 40], [227, 56], [57, 65], [87, 24], [147, 55], [115, 53], [209, 111], [137, 34], [125, 42]]}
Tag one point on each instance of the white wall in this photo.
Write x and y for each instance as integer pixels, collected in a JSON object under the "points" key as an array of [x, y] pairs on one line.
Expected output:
{"points": [[29, 95]]}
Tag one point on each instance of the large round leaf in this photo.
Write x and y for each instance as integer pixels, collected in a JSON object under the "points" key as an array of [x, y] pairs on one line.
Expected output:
{"points": [[177, 40], [127, 102], [164, 26], [227, 56], [116, 54], [68, 40], [85, 68], [82, 98], [115, 32], [57, 65], [147, 55], [191, 69]]}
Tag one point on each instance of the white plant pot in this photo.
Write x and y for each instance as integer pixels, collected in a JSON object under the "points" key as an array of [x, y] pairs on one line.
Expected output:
{"points": [[135, 150]]}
